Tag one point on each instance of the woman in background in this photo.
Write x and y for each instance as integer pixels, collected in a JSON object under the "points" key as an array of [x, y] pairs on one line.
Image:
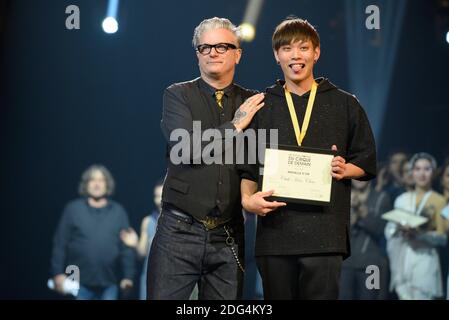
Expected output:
{"points": [[414, 261]]}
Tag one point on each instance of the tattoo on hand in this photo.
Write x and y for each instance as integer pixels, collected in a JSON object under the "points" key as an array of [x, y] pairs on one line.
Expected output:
{"points": [[239, 116]]}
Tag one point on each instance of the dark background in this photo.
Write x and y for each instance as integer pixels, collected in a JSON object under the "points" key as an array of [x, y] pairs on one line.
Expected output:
{"points": [[71, 98]]}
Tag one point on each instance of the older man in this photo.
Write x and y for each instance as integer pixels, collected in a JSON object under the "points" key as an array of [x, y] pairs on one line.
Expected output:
{"points": [[199, 239]]}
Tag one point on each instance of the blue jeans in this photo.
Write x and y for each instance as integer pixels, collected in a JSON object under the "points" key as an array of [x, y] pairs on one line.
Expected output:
{"points": [[101, 293], [185, 253]]}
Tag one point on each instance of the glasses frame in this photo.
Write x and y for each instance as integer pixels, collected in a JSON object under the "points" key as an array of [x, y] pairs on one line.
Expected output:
{"points": [[208, 47]]}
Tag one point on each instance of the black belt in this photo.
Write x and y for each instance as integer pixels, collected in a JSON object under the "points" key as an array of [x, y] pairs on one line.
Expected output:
{"points": [[208, 221]]}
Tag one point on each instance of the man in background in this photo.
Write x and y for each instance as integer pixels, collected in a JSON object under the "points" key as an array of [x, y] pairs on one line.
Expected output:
{"points": [[88, 237]]}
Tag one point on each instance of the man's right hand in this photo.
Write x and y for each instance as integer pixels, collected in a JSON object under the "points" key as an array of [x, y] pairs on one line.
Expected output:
{"points": [[59, 283], [247, 110], [258, 205]]}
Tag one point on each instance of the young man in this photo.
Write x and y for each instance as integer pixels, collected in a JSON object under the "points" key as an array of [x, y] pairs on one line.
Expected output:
{"points": [[299, 248], [199, 239]]}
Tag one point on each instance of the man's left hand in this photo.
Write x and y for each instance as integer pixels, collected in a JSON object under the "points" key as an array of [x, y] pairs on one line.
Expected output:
{"points": [[342, 170]]}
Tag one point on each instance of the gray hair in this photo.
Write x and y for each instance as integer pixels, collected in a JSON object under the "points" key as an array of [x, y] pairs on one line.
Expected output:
{"points": [[423, 155], [213, 24], [87, 175]]}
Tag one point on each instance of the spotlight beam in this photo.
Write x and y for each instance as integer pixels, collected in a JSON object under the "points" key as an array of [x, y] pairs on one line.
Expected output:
{"points": [[252, 13], [110, 24], [112, 8]]}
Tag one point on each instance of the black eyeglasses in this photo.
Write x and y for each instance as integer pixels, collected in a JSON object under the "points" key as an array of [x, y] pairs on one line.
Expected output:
{"points": [[219, 48]]}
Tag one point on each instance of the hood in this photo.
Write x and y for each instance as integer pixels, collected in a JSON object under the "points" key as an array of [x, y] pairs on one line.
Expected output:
{"points": [[323, 85]]}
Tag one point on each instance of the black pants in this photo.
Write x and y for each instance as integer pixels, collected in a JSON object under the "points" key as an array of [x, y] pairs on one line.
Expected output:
{"points": [[184, 253], [300, 277]]}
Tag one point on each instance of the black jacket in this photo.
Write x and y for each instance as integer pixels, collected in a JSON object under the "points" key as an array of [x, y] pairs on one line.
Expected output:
{"points": [[337, 118], [195, 187]]}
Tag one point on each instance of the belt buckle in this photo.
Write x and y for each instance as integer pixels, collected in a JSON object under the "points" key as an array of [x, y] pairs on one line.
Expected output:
{"points": [[210, 222]]}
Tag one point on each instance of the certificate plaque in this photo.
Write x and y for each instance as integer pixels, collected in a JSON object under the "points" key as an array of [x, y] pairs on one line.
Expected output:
{"points": [[404, 218], [298, 174]]}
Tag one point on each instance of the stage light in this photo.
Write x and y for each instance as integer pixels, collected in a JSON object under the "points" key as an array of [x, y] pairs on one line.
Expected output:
{"points": [[447, 37], [110, 25], [248, 25], [248, 31]]}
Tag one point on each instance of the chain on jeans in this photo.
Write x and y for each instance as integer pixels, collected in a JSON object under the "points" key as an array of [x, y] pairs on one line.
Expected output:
{"points": [[230, 243]]}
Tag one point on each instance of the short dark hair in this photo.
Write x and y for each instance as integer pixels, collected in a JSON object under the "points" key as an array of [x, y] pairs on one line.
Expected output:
{"points": [[294, 29], [87, 175]]}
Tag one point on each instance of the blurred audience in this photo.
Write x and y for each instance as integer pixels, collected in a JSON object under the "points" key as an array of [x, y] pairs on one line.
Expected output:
{"points": [[414, 260], [407, 177], [444, 180], [142, 244], [444, 251], [389, 177], [367, 237]]}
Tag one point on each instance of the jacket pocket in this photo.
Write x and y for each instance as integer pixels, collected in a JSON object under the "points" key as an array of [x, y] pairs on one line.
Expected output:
{"points": [[178, 185]]}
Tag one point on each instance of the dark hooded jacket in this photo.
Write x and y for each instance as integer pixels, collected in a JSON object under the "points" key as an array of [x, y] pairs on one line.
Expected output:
{"points": [[337, 119]]}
